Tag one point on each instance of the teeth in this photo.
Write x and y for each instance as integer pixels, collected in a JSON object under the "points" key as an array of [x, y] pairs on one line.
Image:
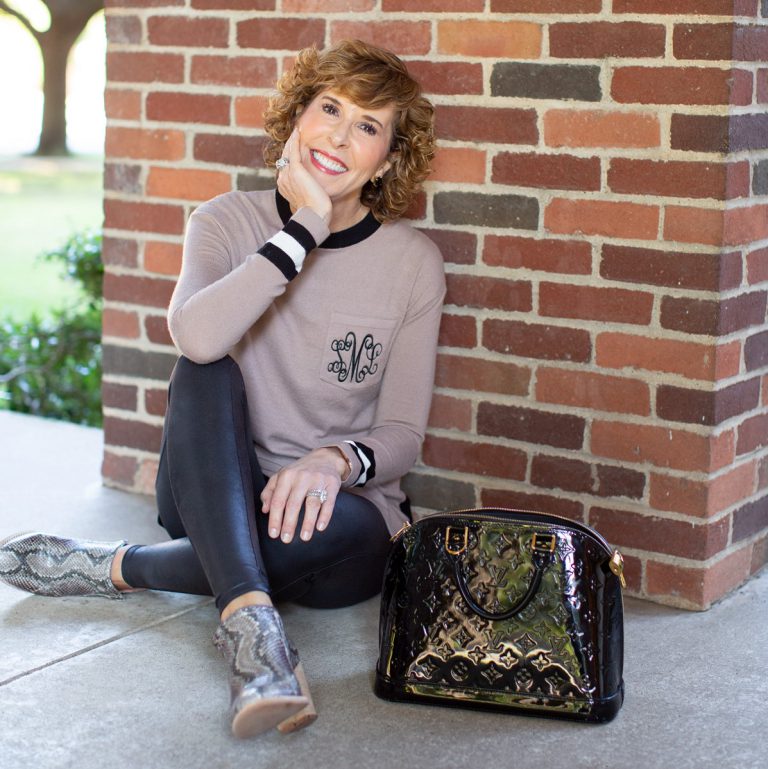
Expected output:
{"points": [[326, 162]]}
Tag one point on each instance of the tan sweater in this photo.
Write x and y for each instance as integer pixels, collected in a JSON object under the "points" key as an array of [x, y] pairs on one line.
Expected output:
{"points": [[336, 343]]}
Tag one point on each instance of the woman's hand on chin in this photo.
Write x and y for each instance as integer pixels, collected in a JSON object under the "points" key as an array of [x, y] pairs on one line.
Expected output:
{"points": [[296, 184], [286, 492]]}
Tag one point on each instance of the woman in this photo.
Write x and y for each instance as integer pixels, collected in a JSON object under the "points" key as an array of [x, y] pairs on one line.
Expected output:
{"points": [[307, 321]]}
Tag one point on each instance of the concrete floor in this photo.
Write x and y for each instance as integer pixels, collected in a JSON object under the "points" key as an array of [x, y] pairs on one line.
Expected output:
{"points": [[90, 683]]}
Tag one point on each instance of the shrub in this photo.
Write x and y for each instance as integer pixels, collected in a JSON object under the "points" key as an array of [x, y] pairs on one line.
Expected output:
{"points": [[51, 366]]}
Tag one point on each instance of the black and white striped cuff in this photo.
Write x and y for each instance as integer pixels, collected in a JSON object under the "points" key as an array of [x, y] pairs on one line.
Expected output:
{"points": [[288, 248], [367, 461]]}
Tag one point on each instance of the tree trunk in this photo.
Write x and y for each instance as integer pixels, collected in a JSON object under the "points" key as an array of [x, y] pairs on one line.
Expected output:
{"points": [[55, 46]]}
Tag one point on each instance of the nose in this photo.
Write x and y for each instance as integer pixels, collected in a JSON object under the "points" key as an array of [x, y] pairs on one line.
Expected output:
{"points": [[340, 134]]}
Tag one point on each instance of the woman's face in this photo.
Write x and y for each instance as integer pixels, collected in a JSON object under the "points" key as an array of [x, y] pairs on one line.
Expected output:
{"points": [[347, 144]]}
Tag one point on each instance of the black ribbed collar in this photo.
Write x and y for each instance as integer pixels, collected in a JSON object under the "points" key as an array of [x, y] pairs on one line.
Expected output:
{"points": [[354, 234]]}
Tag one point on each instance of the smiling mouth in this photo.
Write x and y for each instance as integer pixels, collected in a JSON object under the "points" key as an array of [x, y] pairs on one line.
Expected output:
{"points": [[327, 164]]}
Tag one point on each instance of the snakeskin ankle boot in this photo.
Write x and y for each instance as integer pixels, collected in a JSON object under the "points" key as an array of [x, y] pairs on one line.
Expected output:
{"points": [[54, 566], [264, 689]]}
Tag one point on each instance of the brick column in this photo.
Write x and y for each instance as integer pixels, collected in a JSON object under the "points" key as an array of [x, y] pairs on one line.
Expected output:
{"points": [[601, 200]]}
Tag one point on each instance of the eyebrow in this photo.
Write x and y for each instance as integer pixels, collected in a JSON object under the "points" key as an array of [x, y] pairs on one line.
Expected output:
{"points": [[365, 117]]}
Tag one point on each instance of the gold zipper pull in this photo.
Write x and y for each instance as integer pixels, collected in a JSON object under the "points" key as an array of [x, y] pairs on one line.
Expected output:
{"points": [[400, 531], [616, 565]]}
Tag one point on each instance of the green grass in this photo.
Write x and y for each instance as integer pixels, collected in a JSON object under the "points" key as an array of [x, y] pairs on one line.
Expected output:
{"points": [[42, 202]]}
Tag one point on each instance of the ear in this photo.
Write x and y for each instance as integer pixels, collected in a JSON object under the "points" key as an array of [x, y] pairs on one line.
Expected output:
{"points": [[383, 168]]}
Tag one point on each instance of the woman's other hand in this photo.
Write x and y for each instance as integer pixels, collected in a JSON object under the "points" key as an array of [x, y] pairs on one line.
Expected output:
{"points": [[286, 491], [296, 184]]}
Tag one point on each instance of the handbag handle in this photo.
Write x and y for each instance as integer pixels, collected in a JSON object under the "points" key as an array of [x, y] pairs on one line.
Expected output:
{"points": [[541, 545]]}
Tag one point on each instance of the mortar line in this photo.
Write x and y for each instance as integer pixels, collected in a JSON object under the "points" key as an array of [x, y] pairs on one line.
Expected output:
{"points": [[106, 641]]}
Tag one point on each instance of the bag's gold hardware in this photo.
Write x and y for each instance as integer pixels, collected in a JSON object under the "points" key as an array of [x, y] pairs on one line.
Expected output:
{"points": [[616, 565], [543, 543], [400, 531], [456, 539]]}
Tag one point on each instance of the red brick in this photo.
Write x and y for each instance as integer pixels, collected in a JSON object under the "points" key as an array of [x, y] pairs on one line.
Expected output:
{"points": [[745, 225], [756, 351], [759, 555], [123, 177], [235, 5], [123, 29], [120, 323], [144, 144], [450, 413], [561, 473], [146, 477], [120, 469], [672, 85], [672, 356], [706, 407], [157, 329], [280, 34], [757, 266], [141, 3], [119, 396], [119, 252], [731, 487], [751, 519], [678, 178], [546, 6], [727, 360], [242, 71], [660, 535], [156, 401], [187, 183], [448, 77], [491, 39], [249, 111], [456, 247], [162, 257], [564, 431], [122, 104], [676, 269], [598, 392], [701, 316], [478, 374], [532, 340], [616, 305], [143, 217], [722, 42], [475, 458], [598, 128], [327, 6], [658, 446], [753, 434], [602, 217], [144, 67], [489, 293], [620, 482], [679, 7], [685, 224], [132, 433], [513, 499], [484, 124], [562, 172], [408, 38], [459, 164], [150, 292], [568, 257], [188, 108], [229, 149], [602, 39], [433, 6], [762, 86], [458, 331], [195, 32], [679, 494]]}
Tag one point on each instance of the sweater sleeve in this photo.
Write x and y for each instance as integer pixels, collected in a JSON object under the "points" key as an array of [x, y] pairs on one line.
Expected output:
{"points": [[214, 304], [392, 445]]}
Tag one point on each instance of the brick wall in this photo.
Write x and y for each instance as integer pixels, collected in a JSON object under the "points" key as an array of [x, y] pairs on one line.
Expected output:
{"points": [[601, 200]]}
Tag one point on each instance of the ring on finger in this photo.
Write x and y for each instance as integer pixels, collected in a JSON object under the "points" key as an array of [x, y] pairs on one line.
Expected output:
{"points": [[282, 163], [321, 494]]}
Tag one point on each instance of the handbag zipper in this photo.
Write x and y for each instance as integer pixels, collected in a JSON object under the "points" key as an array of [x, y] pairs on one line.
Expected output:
{"points": [[615, 564]]}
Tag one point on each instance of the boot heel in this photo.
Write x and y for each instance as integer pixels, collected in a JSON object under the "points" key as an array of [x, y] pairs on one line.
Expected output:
{"points": [[308, 714]]}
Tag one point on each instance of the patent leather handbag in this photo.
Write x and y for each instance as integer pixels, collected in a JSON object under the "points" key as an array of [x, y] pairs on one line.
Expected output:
{"points": [[503, 609]]}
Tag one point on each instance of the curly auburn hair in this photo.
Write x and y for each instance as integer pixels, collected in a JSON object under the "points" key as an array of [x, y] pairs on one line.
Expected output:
{"points": [[373, 78]]}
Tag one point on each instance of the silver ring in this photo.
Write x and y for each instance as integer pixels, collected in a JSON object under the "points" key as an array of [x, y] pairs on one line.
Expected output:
{"points": [[282, 163], [321, 494]]}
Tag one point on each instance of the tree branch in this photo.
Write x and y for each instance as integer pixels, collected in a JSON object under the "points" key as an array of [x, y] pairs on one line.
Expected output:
{"points": [[21, 17]]}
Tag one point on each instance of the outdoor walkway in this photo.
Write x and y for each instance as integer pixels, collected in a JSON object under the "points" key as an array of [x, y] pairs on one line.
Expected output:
{"points": [[91, 683]]}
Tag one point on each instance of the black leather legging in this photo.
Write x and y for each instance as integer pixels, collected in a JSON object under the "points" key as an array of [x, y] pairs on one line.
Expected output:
{"points": [[208, 487]]}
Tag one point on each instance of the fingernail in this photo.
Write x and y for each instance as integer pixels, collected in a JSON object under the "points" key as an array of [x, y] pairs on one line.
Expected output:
{"points": [[273, 533], [286, 537], [321, 526], [305, 535]]}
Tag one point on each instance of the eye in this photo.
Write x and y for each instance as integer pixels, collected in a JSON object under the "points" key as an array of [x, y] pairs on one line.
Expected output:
{"points": [[330, 108], [369, 128]]}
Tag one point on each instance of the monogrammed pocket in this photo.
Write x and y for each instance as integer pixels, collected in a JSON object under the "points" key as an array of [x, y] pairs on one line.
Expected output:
{"points": [[356, 351]]}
